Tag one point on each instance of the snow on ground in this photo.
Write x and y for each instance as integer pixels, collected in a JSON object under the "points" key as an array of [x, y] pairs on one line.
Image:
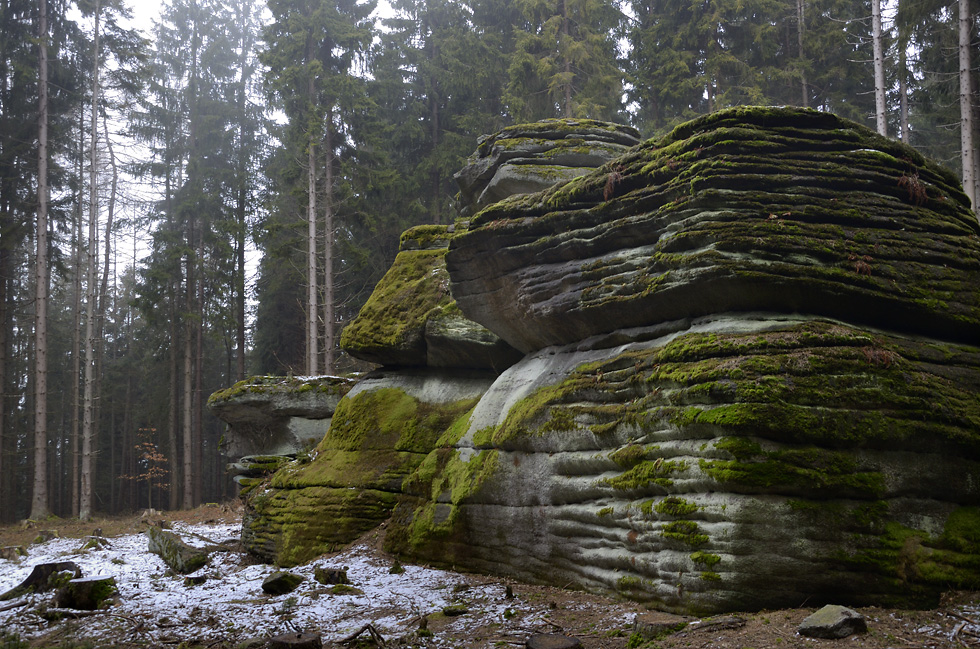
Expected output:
{"points": [[156, 607]]}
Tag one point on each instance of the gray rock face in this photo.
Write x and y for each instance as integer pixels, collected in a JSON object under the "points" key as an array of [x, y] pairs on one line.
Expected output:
{"points": [[528, 158], [833, 623]]}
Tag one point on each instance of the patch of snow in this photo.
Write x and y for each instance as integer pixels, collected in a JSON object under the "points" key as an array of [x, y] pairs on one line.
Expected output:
{"points": [[156, 607]]}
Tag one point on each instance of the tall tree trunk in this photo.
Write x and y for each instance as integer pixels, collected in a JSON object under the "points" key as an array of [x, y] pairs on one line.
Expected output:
{"points": [[188, 381], [328, 299], [91, 264], [566, 60], [39, 501], [241, 208], [311, 325], [903, 90], [966, 104], [879, 66], [199, 460], [76, 337]]}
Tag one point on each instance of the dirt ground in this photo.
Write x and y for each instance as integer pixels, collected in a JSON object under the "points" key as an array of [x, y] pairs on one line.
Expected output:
{"points": [[599, 622]]}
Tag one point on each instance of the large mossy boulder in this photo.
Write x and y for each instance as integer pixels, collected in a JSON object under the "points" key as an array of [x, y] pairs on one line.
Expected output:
{"points": [[752, 376], [748, 209], [751, 379]]}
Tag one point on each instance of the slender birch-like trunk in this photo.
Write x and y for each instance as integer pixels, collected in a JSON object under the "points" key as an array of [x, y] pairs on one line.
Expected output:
{"points": [[879, 65], [966, 106]]}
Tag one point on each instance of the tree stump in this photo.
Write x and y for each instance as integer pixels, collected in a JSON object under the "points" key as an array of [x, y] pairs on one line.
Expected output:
{"points": [[40, 578], [12, 552], [296, 641], [87, 593]]}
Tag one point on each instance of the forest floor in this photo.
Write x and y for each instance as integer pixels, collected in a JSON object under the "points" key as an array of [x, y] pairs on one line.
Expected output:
{"points": [[230, 611]]}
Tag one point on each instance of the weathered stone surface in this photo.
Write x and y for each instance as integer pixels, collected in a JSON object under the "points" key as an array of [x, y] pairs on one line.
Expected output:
{"points": [[381, 431], [832, 623], [411, 319], [742, 462], [282, 582], [750, 209], [276, 415], [531, 157], [178, 556]]}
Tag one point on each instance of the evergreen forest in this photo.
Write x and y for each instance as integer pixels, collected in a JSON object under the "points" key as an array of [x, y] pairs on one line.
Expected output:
{"points": [[215, 194]]}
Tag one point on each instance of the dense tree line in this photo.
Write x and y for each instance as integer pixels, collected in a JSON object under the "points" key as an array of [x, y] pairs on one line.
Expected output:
{"points": [[136, 170]]}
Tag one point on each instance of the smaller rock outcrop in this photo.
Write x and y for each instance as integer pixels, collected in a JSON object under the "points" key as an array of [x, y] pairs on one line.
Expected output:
{"points": [[527, 158], [277, 415], [280, 583]]}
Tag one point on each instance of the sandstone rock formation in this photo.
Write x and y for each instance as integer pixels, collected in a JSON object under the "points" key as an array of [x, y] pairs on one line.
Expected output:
{"points": [[751, 379]]}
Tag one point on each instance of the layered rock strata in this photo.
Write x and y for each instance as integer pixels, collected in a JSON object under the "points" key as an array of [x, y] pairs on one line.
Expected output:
{"points": [[749, 378]]}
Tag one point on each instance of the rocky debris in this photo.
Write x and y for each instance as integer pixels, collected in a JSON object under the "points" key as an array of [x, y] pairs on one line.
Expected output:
{"points": [[330, 576], [86, 593], [296, 641], [282, 582], [653, 625], [552, 641], [44, 577], [530, 157], [411, 319], [833, 623], [179, 557], [276, 415]]}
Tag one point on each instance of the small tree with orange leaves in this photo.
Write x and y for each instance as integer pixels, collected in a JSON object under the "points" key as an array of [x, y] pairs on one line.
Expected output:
{"points": [[151, 465]]}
